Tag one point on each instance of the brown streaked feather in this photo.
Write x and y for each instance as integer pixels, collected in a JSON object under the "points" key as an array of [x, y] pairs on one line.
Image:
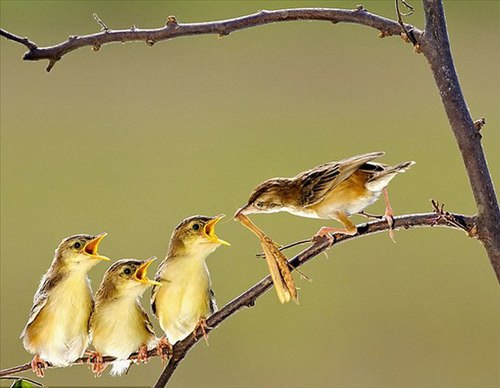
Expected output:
{"points": [[212, 302], [269, 185], [319, 181], [147, 323]]}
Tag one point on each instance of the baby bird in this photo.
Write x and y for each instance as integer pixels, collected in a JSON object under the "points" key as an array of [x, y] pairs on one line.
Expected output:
{"points": [[119, 325], [186, 299], [57, 328], [332, 190]]}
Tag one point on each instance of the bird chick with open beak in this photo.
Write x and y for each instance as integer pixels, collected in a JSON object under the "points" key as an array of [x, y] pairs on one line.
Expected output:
{"points": [[57, 328], [119, 326], [186, 299]]}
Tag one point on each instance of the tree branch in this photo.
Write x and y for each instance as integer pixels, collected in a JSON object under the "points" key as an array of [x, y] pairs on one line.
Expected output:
{"points": [[436, 48], [437, 218], [173, 29]]}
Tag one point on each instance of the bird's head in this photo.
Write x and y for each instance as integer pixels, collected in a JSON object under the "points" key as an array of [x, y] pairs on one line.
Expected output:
{"points": [[129, 276], [196, 236], [79, 252], [268, 197]]}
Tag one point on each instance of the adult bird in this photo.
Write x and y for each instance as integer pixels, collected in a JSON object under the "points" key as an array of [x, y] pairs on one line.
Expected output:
{"points": [[334, 190]]}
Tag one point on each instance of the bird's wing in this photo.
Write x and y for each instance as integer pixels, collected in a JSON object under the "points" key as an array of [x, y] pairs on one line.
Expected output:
{"points": [[147, 323], [213, 303], [316, 183], [319, 181], [49, 281], [155, 289]]}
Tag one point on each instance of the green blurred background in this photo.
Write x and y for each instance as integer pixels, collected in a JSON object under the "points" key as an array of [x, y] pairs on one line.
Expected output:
{"points": [[132, 139]]}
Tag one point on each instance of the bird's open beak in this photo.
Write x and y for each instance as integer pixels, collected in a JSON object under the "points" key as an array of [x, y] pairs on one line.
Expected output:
{"points": [[91, 247], [209, 230], [141, 273]]}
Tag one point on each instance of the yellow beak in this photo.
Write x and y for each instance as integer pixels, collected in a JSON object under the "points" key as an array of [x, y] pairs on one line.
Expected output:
{"points": [[209, 230], [141, 273], [91, 247]]}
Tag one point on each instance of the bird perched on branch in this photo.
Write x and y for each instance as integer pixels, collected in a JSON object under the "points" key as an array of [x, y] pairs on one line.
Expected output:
{"points": [[119, 325], [332, 190], [186, 299], [57, 328]]}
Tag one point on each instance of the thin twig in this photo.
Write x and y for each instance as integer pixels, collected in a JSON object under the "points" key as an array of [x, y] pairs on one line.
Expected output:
{"points": [[104, 27], [288, 246], [408, 34], [173, 29], [248, 298], [25, 41]]}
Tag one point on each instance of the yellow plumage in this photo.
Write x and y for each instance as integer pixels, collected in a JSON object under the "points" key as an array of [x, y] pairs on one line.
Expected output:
{"points": [[185, 299]]}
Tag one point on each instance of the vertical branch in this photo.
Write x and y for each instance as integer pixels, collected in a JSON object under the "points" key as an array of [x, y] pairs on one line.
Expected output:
{"points": [[436, 48]]}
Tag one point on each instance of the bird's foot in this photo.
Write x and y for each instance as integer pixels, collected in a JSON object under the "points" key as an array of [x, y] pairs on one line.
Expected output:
{"points": [[164, 349], [97, 365], [389, 215], [202, 324], [142, 355], [328, 232], [38, 365]]}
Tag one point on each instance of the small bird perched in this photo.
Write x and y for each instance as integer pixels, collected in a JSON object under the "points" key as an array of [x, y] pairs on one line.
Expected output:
{"points": [[186, 299], [57, 328], [332, 190], [119, 325]]}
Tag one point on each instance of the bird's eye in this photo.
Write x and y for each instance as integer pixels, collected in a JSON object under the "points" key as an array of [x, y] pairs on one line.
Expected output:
{"points": [[196, 226], [259, 204], [127, 271], [77, 245]]}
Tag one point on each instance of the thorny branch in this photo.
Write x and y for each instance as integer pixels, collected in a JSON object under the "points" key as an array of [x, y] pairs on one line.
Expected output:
{"points": [[174, 29], [247, 299]]}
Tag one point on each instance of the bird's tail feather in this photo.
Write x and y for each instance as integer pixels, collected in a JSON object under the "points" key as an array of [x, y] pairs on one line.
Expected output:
{"points": [[379, 181]]}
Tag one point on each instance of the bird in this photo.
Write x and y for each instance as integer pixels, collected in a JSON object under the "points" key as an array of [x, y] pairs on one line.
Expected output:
{"points": [[334, 190], [186, 299], [57, 331], [119, 326]]}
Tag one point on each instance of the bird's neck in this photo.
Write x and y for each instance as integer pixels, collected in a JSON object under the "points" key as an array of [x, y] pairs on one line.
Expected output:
{"points": [[289, 193], [108, 291], [185, 263]]}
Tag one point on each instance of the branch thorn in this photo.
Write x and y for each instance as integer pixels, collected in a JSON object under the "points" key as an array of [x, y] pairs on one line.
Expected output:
{"points": [[104, 27], [480, 123], [171, 20], [51, 64]]}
